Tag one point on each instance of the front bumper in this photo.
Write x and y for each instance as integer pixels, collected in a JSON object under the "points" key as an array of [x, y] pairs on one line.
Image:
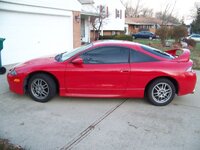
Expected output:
{"points": [[15, 84]]}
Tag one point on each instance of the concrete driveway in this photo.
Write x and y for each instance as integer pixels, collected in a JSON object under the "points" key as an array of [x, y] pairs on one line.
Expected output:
{"points": [[109, 124]]}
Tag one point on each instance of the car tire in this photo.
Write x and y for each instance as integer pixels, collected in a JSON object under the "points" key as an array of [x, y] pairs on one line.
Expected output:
{"points": [[2, 70], [150, 38], [161, 92], [41, 87], [134, 37]]}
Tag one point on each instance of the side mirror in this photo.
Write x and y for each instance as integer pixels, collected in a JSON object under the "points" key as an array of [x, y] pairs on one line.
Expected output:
{"points": [[77, 61]]}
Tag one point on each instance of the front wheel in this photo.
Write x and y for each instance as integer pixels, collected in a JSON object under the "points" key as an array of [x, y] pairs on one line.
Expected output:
{"points": [[41, 87], [161, 92]]}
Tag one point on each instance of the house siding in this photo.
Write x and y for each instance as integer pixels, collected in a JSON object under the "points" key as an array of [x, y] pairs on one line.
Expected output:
{"points": [[76, 30]]}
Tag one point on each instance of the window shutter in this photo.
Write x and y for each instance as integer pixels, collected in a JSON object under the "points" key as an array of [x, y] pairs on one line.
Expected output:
{"points": [[120, 14], [115, 13], [107, 12], [101, 8]]}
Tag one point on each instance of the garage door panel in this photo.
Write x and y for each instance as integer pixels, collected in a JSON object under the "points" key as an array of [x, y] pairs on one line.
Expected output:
{"points": [[34, 35]]}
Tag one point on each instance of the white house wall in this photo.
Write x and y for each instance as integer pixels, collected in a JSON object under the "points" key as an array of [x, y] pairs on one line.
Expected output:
{"points": [[70, 5], [33, 31], [112, 23]]}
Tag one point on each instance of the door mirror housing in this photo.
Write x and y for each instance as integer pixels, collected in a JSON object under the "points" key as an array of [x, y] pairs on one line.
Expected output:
{"points": [[77, 61]]}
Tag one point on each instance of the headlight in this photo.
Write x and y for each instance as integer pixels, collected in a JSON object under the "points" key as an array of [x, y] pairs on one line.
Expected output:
{"points": [[13, 72]]}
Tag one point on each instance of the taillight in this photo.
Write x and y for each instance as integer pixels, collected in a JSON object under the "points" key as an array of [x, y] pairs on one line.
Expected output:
{"points": [[189, 69]]}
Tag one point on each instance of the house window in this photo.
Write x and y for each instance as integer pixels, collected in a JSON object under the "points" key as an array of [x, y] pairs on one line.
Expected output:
{"points": [[118, 13], [103, 10]]}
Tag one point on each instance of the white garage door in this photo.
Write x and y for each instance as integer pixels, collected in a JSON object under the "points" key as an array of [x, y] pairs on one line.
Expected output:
{"points": [[34, 35]]}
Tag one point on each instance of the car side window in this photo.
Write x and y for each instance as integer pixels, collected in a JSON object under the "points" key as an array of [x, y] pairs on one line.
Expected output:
{"points": [[136, 56], [106, 55]]}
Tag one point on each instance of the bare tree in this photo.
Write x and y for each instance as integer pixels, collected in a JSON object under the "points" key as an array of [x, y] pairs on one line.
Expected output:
{"points": [[98, 21], [128, 8], [132, 10], [147, 12], [137, 9], [166, 15]]}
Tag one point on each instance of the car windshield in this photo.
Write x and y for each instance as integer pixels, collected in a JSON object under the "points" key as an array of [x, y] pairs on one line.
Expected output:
{"points": [[64, 56], [157, 52]]}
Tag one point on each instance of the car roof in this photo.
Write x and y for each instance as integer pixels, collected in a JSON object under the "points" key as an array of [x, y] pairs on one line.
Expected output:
{"points": [[195, 34], [114, 42]]}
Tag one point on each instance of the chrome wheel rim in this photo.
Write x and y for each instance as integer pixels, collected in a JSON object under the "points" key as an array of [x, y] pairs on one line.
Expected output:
{"points": [[161, 92], [40, 88]]}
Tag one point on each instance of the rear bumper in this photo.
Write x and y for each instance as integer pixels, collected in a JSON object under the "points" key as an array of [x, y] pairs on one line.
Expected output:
{"points": [[187, 83]]}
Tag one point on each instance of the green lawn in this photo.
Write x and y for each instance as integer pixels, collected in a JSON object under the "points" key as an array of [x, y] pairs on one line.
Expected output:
{"points": [[197, 46], [195, 56], [195, 52], [146, 41]]}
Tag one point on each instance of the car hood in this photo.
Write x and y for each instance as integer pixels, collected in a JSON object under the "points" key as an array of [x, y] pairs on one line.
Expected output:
{"points": [[43, 61]]}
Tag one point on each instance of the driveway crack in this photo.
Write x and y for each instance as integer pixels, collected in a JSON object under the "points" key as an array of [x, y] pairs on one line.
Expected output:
{"points": [[89, 129]]}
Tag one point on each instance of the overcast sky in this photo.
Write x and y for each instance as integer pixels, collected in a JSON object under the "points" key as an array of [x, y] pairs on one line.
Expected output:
{"points": [[182, 7]]}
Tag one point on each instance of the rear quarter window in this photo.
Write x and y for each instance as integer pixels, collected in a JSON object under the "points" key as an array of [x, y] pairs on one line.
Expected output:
{"points": [[137, 57], [157, 52]]}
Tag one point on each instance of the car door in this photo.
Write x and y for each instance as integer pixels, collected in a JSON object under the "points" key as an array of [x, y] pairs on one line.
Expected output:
{"points": [[142, 34], [105, 71], [146, 34], [141, 71]]}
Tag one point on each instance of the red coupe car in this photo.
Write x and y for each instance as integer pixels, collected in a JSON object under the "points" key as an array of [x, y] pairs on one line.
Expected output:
{"points": [[107, 69]]}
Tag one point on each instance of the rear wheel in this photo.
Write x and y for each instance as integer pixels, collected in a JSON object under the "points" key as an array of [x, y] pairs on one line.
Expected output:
{"points": [[161, 92], [41, 87]]}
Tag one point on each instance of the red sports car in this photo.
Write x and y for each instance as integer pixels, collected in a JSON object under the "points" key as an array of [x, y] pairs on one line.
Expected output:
{"points": [[107, 69]]}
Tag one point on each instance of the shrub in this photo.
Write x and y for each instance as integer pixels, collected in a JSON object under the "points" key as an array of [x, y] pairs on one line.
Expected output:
{"points": [[123, 37], [163, 33], [106, 37], [117, 37], [190, 42], [179, 32]]}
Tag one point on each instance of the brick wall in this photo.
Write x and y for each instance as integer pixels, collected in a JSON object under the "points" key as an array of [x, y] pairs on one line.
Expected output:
{"points": [[76, 30]]}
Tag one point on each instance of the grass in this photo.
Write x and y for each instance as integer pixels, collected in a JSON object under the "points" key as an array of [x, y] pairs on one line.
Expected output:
{"points": [[195, 52], [146, 41], [6, 145], [197, 46], [195, 56]]}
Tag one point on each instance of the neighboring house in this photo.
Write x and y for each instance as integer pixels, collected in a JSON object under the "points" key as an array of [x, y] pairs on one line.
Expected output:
{"points": [[135, 25], [39, 27], [88, 10], [115, 20]]}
